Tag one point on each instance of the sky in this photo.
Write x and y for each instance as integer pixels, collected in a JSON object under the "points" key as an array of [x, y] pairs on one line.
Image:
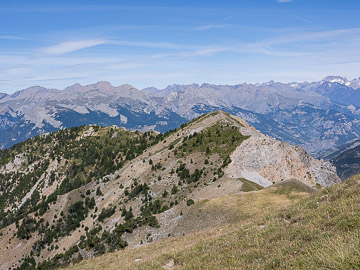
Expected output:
{"points": [[158, 43]]}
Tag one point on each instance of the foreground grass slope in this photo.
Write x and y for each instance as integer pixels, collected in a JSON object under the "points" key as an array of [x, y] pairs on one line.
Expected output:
{"points": [[321, 231]]}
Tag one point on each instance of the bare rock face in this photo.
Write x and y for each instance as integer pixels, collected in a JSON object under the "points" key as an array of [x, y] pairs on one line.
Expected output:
{"points": [[265, 161]]}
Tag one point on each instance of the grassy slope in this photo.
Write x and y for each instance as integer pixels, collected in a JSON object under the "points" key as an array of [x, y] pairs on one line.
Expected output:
{"points": [[249, 186], [210, 249], [319, 232]]}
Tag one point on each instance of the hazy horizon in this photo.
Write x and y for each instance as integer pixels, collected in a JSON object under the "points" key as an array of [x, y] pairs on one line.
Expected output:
{"points": [[59, 43], [162, 88]]}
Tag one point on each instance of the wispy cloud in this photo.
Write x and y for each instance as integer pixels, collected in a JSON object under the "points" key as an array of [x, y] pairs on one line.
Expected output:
{"points": [[319, 36], [11, 37], [71, 8], [159, 45], [312, 44], [299, 18], [18, 71], [208, 51], [202, 52], [71, 46], [210, 26]]}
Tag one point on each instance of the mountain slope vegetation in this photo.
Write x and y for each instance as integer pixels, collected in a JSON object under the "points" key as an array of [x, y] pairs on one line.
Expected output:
{"points": [[319, 232], [347, 162], [78, 193]]}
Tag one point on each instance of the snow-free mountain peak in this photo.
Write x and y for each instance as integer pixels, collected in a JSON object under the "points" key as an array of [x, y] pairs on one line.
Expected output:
{"points": [[319, 116]]}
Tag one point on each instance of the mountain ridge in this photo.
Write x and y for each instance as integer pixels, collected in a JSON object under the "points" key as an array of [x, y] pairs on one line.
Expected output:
{"points": [[306, 113], [89, 190]]}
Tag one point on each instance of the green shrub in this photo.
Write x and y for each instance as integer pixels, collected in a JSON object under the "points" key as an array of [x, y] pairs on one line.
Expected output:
{"points": [[190, 202]]}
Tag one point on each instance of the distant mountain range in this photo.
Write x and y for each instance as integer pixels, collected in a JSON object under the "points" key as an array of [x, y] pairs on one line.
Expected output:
{"points": [[320, 116]]}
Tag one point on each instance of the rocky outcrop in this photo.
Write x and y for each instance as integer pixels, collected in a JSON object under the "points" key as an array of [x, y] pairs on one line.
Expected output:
{"points": [[265, 161]]}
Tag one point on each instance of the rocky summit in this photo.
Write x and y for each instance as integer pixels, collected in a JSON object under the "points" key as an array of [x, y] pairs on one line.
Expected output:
{"points": [[78, 193]]}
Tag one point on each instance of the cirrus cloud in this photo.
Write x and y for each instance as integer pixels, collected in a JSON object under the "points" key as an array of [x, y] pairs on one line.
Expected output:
{"points": [[210, 26], [71, 46]]}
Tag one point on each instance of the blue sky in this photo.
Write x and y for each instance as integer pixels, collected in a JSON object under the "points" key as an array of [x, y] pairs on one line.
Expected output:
{"points": [[157, 43]]}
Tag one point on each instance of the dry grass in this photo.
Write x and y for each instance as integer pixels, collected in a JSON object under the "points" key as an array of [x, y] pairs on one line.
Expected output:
{"points": [[338, 252], [249, 186], [321, 232], [246, 208], [125, 259]]}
